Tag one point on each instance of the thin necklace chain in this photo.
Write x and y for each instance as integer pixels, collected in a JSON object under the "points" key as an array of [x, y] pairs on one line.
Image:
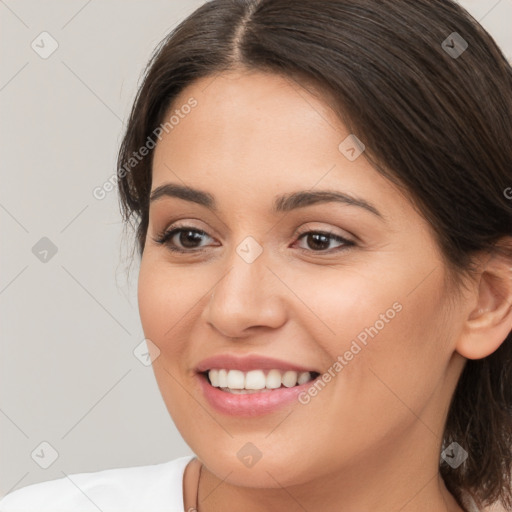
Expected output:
{"points": [[197, 491]]}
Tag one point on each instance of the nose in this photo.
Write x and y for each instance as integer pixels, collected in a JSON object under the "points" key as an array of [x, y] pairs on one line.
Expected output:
{"points": [[248, 296]]}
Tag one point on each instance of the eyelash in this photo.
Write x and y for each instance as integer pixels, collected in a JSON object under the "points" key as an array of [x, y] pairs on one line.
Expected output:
{"points": [[166, 236]]}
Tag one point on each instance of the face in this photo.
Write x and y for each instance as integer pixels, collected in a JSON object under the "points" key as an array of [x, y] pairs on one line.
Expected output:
{"points": [[333, 300]]}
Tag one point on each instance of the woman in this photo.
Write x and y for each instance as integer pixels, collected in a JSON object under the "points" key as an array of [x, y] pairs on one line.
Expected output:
{"points": [[321, 191]]}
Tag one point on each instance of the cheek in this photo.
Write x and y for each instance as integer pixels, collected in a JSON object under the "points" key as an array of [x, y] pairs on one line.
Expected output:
{"points": [[166, 299], [165, 305], [393, 335], [152, 294], [406, 357], [341, 306]]}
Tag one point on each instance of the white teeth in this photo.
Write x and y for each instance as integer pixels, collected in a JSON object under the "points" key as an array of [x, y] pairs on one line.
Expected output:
{"points": [[214, 378], [253, 381], [303, 378], [273, 379], [246, 391], [290, 379], [223, 379], [236, 379]]}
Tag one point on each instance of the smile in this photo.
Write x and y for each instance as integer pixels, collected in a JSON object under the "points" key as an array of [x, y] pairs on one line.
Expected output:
{"points": [[251, 385], [257, 381]]}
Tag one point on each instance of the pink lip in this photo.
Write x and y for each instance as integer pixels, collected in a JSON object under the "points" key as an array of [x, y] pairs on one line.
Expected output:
{"points": [[254, 404], [247, 363]]}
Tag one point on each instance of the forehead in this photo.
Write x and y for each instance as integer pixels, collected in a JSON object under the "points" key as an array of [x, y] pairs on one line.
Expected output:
{"points": [[230, 90], [259, 135], [249, 120]]}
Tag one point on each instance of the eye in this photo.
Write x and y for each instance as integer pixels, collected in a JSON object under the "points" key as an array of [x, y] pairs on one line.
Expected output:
{"points": [[187, 239], [182, 238], [319, 241]]}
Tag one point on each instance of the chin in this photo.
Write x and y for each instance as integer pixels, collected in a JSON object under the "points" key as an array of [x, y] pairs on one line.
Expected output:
{"points": [[237, 468]]}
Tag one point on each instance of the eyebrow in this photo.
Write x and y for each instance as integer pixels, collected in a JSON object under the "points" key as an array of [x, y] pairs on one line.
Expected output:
{"points": [[282, 203]]}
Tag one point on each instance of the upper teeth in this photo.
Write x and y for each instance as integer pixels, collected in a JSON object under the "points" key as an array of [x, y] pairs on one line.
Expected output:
{"points": [[256, 379]]}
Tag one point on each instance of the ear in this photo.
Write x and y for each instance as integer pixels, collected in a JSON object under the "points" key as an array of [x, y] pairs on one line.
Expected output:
{"points": [[490, 319]]}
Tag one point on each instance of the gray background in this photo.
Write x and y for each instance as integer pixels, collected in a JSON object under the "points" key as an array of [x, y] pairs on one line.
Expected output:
{"points": [[69, 325]]}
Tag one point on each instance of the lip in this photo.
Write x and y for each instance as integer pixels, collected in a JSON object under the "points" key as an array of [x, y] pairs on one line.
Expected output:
{"points": [[253, 404], [247, 363]]}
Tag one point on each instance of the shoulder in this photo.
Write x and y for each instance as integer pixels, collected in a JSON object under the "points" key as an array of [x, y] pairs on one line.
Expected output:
{"points": [[128, 489]]}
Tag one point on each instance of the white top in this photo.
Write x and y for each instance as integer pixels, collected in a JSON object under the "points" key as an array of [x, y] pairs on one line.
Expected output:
{"points": [[154, 488]]}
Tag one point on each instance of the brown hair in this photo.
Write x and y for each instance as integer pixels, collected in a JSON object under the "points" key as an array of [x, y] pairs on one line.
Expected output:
{"points": [[436, 123]]}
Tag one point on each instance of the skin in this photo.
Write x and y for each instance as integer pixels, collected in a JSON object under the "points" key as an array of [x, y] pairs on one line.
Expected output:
{"points": [[370, 439]]}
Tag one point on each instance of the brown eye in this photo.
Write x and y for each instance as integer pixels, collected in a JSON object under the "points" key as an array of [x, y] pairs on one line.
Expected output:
{"points": [[319, 241], [182, 239]]}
